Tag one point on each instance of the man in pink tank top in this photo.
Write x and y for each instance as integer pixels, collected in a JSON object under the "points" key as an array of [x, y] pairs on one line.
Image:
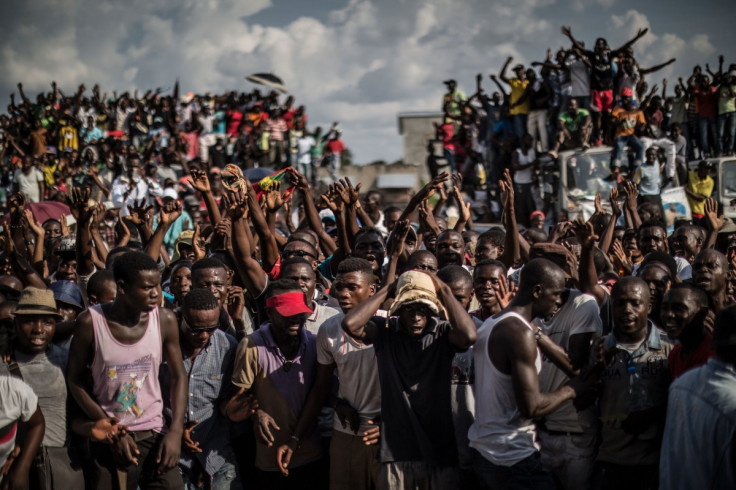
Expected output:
{"points": [[124, 342], [507, 364]]}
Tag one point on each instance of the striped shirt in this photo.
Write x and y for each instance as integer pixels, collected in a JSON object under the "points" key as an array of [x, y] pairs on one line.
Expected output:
{"points": [[209, 384]]}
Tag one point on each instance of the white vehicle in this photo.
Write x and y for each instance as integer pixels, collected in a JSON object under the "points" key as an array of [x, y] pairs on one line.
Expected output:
{"points": [[583, 173]]}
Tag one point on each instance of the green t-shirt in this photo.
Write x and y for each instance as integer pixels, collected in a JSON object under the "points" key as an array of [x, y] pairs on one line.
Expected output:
{"points": [[726, 99], [572, 124]]}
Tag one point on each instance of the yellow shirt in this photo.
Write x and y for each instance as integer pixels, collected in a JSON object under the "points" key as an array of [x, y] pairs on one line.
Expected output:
{"points": [[703, 187], [517, 88]]}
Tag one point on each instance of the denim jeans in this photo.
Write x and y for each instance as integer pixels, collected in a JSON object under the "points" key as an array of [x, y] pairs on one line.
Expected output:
{"points": [[225, 478], [527, 473], [618, 148], [727, 131], [706, 126], [519, 121]]}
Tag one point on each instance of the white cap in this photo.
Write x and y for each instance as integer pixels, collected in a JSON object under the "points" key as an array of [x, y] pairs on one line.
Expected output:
{"points": [[170, 192]]}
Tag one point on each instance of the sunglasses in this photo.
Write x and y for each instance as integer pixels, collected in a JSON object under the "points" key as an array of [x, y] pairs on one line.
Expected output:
{"points": [[198, 331], [298, 253]]}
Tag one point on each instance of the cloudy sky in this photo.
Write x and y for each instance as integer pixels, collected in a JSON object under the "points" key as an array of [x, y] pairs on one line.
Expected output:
{"points": [[360, 62]]}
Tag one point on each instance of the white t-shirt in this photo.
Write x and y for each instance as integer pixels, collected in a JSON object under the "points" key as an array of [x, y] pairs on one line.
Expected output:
{"points": [[28, 184], [304, 147], [18, 402], [356, 369]]}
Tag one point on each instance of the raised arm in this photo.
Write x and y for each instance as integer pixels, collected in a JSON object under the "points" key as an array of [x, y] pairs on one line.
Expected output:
{"points": [[463, 333], [566, 31], [357, 322], [424, 193], [311, 214], [500, 87], [254, 278], [586, 272], [646, 71], [79, 201], [502, 74], [640, 33], [169, 213], [200, 182], [511, 250], [269, 247]]}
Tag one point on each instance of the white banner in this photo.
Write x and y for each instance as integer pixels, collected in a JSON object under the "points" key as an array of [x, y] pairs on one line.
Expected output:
{"points": [[676, 206]]}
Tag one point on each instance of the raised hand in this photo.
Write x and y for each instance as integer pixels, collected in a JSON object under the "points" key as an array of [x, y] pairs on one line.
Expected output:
{"points": [[428, 190], [613, 200], [396, 240], [139, 212], [298, 180], [235, 204], [273, 198], [632, 193], [78, 204], [199, 181], [585, 233], [200, 251], [65, 230], [36, 228], [353, 192], [505, 292], [621, 258], [99, 215], [169, 213], [715, 219], [235, 302]]}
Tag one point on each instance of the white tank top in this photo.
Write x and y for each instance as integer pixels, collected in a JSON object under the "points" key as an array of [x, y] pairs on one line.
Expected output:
{"points": [[525, 176], [500, 434]]}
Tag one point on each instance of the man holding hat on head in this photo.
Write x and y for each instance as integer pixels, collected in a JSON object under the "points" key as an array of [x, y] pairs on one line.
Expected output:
{"points": [[42, 365], [414, 351]]}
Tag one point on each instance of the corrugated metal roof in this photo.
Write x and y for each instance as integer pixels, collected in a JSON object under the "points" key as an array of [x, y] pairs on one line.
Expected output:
{"points": [[396, 181]]}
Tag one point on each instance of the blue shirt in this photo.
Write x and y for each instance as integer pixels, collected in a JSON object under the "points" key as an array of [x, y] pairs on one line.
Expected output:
{"points": [[209, 384], [698, 449]]}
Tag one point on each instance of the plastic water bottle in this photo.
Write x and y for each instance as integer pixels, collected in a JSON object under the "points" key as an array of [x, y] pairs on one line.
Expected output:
{"points": [[638, 396]]}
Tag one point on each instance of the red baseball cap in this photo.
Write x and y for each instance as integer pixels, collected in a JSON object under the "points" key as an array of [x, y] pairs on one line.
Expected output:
{"points": [[626, 92], [288, 304]]}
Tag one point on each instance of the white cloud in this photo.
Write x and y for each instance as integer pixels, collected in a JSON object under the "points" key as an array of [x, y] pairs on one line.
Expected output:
{"points": [[360, 64], [701, 43]]}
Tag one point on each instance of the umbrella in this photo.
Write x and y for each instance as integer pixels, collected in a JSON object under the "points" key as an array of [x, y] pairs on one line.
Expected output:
{"points": [[45, 210], [269, 80]]}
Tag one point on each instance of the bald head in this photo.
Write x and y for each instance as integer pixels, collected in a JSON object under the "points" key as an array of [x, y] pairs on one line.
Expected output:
{"points": [[540, 272]]}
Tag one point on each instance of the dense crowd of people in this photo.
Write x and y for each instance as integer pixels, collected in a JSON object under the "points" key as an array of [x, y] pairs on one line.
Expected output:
{"points": [[171, 318], [581, 99]]}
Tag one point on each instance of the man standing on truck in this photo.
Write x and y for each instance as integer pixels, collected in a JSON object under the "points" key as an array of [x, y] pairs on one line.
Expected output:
{"points": [[699, 188]]}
